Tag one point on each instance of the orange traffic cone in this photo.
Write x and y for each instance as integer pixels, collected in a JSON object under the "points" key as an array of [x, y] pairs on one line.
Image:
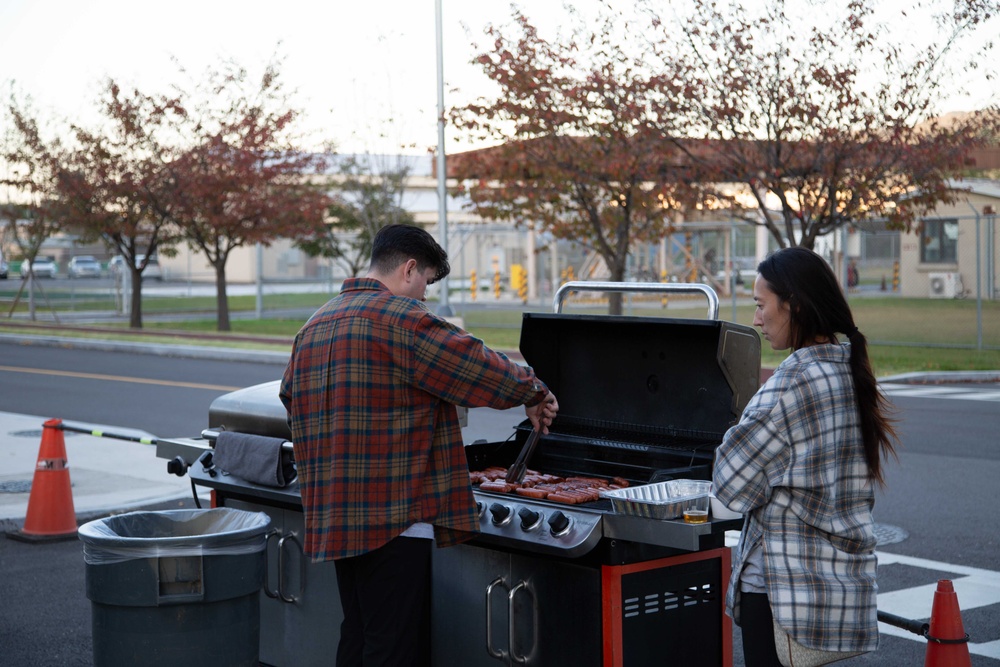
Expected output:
{"points": [[947, 643], [50, 506]]}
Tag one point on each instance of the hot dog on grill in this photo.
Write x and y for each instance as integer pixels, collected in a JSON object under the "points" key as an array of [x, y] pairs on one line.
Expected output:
{"points": [[572, 490]]}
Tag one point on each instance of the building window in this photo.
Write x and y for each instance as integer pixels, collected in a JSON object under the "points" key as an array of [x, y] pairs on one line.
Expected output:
{"points": [[939, 241]]}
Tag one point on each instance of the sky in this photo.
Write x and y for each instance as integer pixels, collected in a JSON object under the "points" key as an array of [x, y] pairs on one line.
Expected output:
{"points": [[353, 63]]}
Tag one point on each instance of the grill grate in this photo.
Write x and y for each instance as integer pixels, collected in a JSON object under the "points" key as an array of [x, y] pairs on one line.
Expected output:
{"points": [[630, 435]]}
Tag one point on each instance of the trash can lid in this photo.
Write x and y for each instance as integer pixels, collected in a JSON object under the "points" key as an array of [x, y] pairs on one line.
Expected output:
{"points": [[191, 532]]}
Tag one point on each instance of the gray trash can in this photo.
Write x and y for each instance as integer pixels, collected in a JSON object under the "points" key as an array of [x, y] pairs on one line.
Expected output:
{"points": [[178, 587]]}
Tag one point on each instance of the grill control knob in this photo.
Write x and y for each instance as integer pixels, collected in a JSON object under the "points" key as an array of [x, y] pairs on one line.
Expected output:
{"points": [[529, 518], [558, 523], [479, 508], [501, 513], [177, 467]]}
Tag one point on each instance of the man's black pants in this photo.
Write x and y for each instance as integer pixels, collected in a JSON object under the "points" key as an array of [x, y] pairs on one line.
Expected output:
{"points": [[386, 599]]}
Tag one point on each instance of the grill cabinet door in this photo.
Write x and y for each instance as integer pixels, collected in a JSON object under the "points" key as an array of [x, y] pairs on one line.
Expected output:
{"points": [[303, 629], [555, 606]]}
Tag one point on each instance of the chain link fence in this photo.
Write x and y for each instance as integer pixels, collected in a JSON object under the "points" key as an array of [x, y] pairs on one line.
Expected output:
{"points": [[936, 285]]}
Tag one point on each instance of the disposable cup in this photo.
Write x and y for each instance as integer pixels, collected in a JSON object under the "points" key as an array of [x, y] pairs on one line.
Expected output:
{"points": [[697, 510]]}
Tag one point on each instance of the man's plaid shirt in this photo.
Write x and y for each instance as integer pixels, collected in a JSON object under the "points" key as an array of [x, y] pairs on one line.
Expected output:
{"points": [[371, 389], [795, 466]]}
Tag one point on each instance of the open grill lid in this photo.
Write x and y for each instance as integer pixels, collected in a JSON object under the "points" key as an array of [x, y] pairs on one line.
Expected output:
{"points": [[651, 377]]}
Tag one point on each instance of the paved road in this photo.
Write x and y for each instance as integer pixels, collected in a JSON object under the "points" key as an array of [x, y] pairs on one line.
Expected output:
{"points": [[938, 504]]}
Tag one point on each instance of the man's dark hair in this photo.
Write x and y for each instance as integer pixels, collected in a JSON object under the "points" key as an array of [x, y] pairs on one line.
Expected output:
{"points": [[395, 244]]}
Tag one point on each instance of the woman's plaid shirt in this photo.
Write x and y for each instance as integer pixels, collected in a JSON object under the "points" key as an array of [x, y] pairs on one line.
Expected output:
{"points": [[795, 466], [370, 390]]}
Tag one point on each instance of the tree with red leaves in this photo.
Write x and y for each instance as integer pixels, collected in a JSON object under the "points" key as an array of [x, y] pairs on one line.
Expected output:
{"points": [[820, 114], [584, 139], [244, 180], [33, 210], [801, 122], [120, 183], [215, 166]]}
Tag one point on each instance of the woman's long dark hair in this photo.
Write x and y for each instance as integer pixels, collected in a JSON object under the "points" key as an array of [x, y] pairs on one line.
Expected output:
{"points": [[819, 310]]}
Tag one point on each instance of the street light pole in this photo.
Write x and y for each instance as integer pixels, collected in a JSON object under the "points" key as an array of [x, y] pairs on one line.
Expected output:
{"points": [[444, 308]]}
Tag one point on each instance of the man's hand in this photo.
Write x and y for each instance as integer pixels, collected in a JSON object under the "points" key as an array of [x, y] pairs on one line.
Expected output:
{"points": [[541, 415]]}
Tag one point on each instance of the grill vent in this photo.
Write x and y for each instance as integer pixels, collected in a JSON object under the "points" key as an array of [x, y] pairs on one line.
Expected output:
{"points": [[667, 601]]}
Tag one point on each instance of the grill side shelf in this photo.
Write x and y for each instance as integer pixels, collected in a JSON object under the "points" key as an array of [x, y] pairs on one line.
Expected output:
{"points": [[670, 534]]}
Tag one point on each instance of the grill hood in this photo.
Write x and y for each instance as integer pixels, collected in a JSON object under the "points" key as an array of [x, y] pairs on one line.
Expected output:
{"points": [[648, 375]]}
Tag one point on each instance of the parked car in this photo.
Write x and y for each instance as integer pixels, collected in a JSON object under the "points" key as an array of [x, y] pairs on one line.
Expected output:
{"points": [[118, 266], [84, 266], [43, 266]]}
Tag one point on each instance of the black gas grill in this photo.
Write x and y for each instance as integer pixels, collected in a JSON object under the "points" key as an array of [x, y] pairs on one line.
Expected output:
{"points": [[644, 399], [641, 399]]}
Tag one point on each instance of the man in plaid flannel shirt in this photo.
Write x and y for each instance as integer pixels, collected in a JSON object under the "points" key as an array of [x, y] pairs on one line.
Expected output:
{"points": [[370, 390]]}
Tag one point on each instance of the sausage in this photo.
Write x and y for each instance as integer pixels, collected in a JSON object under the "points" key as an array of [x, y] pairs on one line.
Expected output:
{"points": [[562, 497], [497, 487], [587, 481], [581, 495], [531, 492]]}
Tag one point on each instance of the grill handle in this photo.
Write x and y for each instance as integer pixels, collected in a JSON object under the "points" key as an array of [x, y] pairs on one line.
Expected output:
{"points": [[640, 288], [212, 435], [499, 654], [521, 586], [268, 591], [298, 556]]}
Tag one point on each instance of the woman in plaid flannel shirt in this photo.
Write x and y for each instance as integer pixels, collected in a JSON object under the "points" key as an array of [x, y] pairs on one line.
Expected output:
{"points": [[801, 465]]}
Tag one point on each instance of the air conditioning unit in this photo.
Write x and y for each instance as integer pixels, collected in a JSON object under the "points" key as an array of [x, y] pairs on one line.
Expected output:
{"points": [[945, 285]]}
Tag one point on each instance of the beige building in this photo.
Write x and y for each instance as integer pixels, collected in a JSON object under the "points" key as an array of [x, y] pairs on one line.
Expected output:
{"points": [[938, 259]]}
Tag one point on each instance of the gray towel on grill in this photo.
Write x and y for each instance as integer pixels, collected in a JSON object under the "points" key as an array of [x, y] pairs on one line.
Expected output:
{"points": [[255, 458]]}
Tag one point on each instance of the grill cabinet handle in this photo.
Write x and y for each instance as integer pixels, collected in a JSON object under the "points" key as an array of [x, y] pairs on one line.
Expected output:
{"points": [[647, 288], [267, 570], [522, 585], [499, 654], [281, 567]]}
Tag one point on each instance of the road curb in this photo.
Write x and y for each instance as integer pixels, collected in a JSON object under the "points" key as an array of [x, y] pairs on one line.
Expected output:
{"points": [[166, 350], [944, 377]]}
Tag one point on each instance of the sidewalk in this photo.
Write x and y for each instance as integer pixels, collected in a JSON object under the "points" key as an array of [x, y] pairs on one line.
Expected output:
{"points": [[106, 475]]}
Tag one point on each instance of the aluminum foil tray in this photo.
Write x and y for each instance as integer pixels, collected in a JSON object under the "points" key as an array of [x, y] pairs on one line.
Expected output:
{"points": [[663, 500]]}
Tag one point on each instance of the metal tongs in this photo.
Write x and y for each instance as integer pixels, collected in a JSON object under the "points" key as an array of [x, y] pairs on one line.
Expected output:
{"points": [[515, 474]]}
